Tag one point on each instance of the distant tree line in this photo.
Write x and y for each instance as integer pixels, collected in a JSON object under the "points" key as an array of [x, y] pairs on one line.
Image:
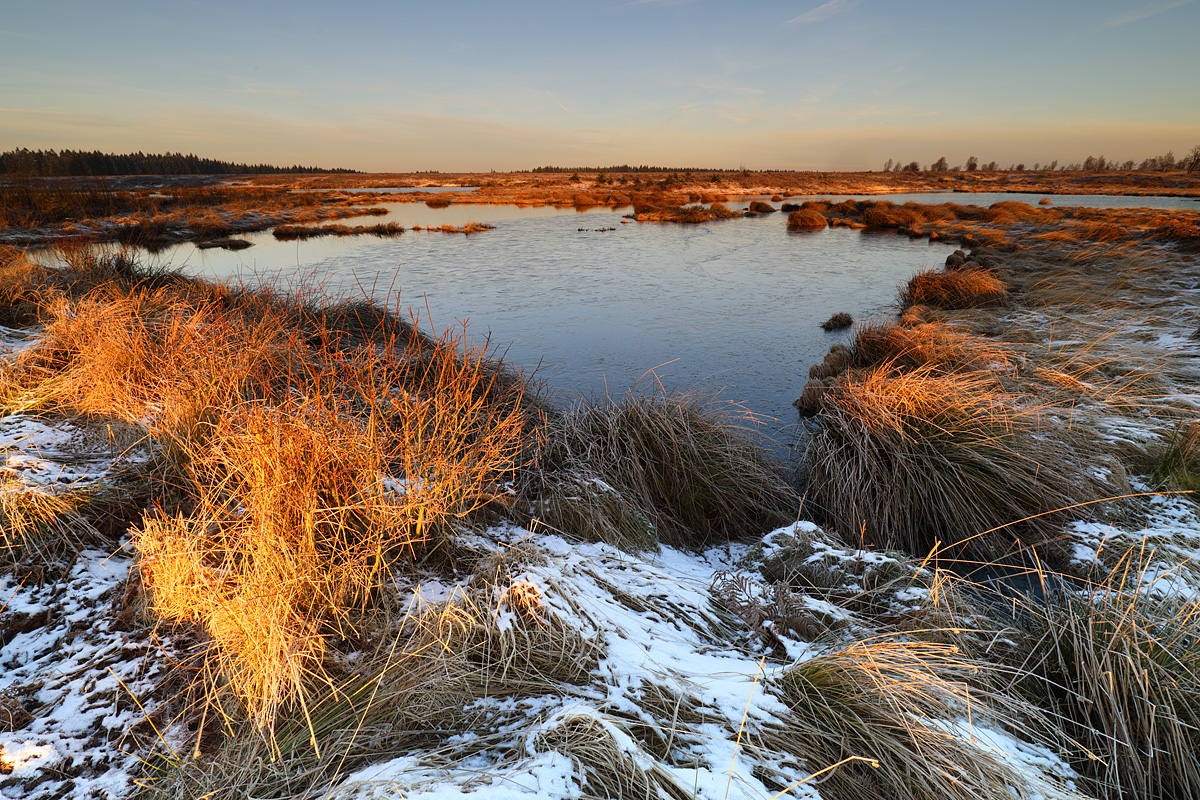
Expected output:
{"points": [[1163, 163], [63, 163]]}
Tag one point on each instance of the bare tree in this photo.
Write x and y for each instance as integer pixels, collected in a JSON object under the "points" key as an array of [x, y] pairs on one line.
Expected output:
{"points": [[1191, 161]]}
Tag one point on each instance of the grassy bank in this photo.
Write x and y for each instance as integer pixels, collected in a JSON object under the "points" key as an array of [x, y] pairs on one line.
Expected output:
{"points": [[42, 211], [369, 561]]}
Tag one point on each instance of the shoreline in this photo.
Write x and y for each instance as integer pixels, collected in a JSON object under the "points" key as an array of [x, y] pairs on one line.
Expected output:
{"points": [[543, 614], [155, 211]]}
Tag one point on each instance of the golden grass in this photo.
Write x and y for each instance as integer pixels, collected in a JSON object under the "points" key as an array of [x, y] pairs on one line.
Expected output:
{"points": [[806, 219], [935, 344], [316, 499], [954, 289], [309, 451]]}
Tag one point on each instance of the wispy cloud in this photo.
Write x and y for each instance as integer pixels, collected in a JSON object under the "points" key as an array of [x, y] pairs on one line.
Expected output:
{"points": [[558, 103], [683, 110], [827, 10], [658, 2], [19, 35], [1145, 12]]}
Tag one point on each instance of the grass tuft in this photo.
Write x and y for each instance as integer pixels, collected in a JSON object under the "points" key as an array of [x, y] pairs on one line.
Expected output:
{"points": [[663, 468], [1119, 669], [873, 701], [1178, 467], [39, 526], [806, 219], [927, 344], [921, 459], [954, 289]]}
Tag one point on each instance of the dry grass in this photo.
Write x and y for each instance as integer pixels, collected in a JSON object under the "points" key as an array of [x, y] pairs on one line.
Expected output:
{"points": [[289, 232], [872, 702], [837, 322], [314, 501], [468, 228], [806, 219], [420, 669], [922, 459], [40, 526], [954, 289], [656, 210], [607, 761], [1178, 466], [934, 344], [651, 467], [1119, 670], [89, 210], [310, 450]]}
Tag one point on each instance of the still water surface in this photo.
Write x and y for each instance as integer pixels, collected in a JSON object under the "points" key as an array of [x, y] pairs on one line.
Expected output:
{"points": [[730, 307]]}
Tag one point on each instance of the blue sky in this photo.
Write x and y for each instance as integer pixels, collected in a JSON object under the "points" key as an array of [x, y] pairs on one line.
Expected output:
{"points": [[398, 86]]}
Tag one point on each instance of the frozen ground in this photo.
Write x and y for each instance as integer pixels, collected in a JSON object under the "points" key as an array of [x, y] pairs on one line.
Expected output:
{"points": [[78, 670]]}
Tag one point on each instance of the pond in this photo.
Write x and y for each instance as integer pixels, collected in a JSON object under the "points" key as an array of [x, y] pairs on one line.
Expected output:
{"points": [[588, 302]]}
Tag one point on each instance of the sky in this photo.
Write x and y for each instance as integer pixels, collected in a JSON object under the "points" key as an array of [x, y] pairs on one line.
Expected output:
{"points": [[477, 86]]}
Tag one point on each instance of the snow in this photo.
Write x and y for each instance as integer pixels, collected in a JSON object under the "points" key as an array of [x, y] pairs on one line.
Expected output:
{"points": [[87, 682]]}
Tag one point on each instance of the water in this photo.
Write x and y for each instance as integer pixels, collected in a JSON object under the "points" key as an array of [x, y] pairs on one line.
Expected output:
{"points": [[730, 308], [987, 198]]}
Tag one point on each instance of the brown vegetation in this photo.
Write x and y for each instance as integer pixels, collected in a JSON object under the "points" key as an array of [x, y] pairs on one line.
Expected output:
{"points": [[34, 211], [288, 232], [806, 219], [961, 288]]}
